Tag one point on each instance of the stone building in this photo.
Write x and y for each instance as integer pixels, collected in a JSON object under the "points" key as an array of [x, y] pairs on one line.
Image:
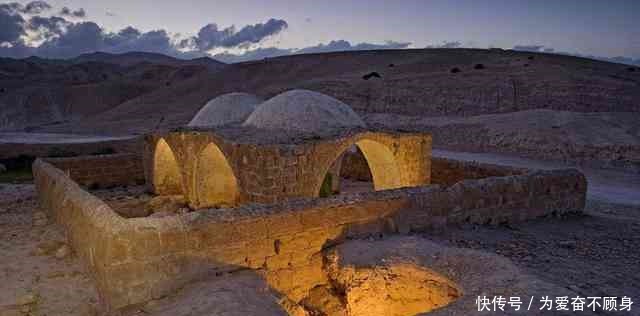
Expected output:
{"points": [[284, 149]]}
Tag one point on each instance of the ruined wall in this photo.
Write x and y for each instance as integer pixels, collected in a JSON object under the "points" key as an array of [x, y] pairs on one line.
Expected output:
{"points": [[102, 170], [8, 150], [276, 172], [134, 260], [448, 171], [444, 171]]}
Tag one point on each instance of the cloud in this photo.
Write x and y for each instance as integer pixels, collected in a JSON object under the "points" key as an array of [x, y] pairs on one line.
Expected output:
{"points": [[210, 37], [46, 28], [446, 44], [333, 46], [11, 24], [528, 48], [36, 7], [80, 13]]}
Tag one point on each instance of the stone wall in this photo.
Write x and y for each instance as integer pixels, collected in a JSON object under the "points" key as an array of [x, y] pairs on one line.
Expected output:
{"points": [[102, 171], [446, 171], [268, 173], [138, 259], [9, 150]]}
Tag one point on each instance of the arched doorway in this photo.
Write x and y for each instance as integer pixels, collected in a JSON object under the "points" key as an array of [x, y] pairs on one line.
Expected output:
{"points": [[365, 166], [215, 183], [167, 179]]}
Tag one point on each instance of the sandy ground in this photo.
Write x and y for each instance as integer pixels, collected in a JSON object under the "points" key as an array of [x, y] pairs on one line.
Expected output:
{"points": [[36, 277]]}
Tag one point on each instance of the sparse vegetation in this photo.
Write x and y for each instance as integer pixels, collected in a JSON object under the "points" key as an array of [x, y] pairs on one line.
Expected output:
{"points": [[18, 169], [631, 69], [530, 57], [22, 175], [57, 152], [455, 70], [325, 189], [104, 151], [478, 66], [371, 75], [526, 65], [391, 65]]}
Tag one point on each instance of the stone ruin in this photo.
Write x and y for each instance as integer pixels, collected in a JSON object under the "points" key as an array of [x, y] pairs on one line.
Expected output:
{"points": [[252, 192]]}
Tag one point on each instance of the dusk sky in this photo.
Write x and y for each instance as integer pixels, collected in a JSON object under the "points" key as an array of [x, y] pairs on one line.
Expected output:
{"points": [[587, 27]]}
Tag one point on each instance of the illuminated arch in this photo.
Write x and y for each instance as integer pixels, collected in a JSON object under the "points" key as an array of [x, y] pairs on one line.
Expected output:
{"points": [[383, 165], [167, 179], [215, 183]]}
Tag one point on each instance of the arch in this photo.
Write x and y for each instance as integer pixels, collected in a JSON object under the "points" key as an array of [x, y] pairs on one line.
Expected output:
{"points": [[215, 183], [383, 165], [167, 179], [385, 168]]}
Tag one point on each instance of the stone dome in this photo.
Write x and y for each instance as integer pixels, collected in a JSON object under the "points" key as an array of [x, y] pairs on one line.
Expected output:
{"points": [[225, 109], [305, 111]]}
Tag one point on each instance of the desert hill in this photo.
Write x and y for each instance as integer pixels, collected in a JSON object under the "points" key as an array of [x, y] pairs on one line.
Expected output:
{"points": [[36, 92], [461, 95]]}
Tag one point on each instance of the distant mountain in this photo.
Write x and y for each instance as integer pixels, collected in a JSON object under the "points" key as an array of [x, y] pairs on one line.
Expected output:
{"points": [[132, 92], [132, 58], [39, 92]]}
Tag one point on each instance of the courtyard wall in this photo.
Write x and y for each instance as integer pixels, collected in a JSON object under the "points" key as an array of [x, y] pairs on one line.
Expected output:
{"points": [[138, 259]]}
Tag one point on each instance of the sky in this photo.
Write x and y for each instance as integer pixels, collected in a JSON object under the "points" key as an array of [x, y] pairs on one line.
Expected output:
{"points": [[248, 29]]}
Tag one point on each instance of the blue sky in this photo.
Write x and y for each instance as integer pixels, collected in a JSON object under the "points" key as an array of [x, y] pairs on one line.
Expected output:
{"points": [[589, 27]]}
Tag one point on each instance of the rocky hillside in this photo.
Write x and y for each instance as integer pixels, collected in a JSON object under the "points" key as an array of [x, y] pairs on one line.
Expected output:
{"points": [[38, 92], [429, 82], [536, 104]]}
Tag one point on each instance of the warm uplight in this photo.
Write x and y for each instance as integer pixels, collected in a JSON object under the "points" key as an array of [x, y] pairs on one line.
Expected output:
{"points": [[166, 174]]}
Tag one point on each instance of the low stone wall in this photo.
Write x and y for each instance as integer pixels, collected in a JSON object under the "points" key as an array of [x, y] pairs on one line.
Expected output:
{"points": [[138, 259], [102, 170], [446, 171], [9, 150]]}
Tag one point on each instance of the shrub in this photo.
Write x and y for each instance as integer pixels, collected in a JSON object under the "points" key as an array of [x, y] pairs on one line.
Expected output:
{"points": [[325, 189], [455, 70], [104, 151], [57, 152], [391, 65], [371, 75], [631, 69], [526, 65], [530, 57], [478, 66]]}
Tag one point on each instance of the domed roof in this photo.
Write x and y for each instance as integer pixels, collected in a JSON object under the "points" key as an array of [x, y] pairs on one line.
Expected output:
{"points": [[304, 110], [227, 108]]}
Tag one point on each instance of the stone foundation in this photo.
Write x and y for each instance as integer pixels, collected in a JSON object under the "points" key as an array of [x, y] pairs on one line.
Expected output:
{"points": [[138, 259]]}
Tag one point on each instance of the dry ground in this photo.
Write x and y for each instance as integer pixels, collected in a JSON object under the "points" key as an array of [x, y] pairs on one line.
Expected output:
{"points": [[594, 254]]}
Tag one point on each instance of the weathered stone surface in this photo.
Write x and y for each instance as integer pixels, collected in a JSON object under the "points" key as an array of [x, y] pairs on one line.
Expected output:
{"points": [[412, 275], [138, 259], [63, 252], [273, 170], [102, 171]]}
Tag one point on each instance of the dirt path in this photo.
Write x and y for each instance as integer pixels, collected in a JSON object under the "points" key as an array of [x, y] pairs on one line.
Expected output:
{"points": [[37, 278]]}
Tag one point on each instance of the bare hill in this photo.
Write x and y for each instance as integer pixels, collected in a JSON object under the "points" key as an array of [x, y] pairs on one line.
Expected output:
{"points": [[410, 82], [36, 92], [486, 96]]}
